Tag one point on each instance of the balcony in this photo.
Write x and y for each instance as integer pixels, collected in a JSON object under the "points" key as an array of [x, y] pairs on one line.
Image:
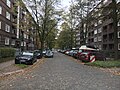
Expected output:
{"points": [[107, 21]]}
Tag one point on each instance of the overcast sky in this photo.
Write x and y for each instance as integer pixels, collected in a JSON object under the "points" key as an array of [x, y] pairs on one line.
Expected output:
{"points": [[65, 3]]}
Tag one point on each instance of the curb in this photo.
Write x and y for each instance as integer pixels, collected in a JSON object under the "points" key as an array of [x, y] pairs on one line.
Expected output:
{"points": [[3, 75], [11, 73]]}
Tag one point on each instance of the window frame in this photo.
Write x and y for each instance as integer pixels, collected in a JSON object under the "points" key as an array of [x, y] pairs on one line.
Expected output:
{"points": [[0, 24], [8, 15], [7, 28], [0, 9], [7, 41], [118, 46], [118, 34], [8, 2]]}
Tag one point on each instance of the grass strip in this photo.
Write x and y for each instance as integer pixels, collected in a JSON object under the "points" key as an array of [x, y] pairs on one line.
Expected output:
{"points": [[21, 65], [105, 64]]}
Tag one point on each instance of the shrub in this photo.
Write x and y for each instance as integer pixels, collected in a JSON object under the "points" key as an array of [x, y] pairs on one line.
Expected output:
{"points": [[7, 52]]}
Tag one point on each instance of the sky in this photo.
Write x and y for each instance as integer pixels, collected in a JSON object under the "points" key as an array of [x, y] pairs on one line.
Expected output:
{"points": [[65, 4]]}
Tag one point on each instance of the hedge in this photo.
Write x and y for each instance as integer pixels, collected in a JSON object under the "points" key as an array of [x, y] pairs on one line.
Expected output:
{"points": [[7, 52]]}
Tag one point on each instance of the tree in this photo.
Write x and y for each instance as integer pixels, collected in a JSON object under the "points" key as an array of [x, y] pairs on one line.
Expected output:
{"points": [[63, 40], [45, 15], [81, 10]]}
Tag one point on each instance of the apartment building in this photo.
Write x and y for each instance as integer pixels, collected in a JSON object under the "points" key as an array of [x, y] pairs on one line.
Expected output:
{"points": [[16, 25], [7, 33], [26, 32], [100, 32]]}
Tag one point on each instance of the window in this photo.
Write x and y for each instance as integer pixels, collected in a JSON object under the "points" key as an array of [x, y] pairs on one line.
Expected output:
{"points": [[118, 46], [25, 36], [100, 47], [0, 38], [99, 30], [24, 43], [100, 22], [13, 31], [0, 25], [95, 39], [7, 28], [95, 24], [95, 32], [119, 23], [119, 34], [8, 3], [0, 10], [21, 43], [8, 15], [13, 42], [105, 1], [100, 38], [7, 41]]}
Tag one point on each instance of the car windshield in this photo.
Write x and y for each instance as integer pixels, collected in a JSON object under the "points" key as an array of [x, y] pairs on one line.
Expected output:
{"points": [[80, 51], [27, 54], [85, 53]]}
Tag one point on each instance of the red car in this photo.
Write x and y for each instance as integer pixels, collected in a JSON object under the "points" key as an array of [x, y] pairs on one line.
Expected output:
{"points": [[80, 51], [91, 56]]}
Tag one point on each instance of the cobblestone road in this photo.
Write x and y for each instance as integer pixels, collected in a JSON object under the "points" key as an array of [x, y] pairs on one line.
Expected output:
{"points": [[63, 73]]}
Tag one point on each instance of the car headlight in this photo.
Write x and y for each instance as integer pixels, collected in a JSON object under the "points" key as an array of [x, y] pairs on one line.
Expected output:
{"points": [[17, 58], [28, 58]]}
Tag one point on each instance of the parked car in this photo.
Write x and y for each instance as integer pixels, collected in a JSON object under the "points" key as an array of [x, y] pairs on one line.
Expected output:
{"points": [[38, 54], [67, 52], [85, 56], [75, 53], [26, 58], [44, 52], [49, 54]]}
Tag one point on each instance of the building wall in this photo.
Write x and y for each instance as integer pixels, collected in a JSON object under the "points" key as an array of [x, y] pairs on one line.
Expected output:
{"points": [[10, 34], [22, 38]]}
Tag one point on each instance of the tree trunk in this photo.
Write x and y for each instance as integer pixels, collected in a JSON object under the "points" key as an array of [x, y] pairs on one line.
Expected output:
{"points": [[115, 28]]}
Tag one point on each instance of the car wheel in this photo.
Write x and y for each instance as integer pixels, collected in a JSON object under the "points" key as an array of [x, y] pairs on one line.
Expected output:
{"points": [[16, 62]]}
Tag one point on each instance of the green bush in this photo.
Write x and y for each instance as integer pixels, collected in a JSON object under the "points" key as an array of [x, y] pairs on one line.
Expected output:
{"points": [[7, 52]]}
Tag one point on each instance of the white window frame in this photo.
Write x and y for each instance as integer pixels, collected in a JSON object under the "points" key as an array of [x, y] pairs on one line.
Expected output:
{"points": [[25, 35], [100, 47], [7, 28], [24, 43], [95, 24], [7, 15], [118, 34], [7, 41], [95, 31], [95, 39], [0, 9], [0, 25], [118, 23], [8, 3], [118, 46]]}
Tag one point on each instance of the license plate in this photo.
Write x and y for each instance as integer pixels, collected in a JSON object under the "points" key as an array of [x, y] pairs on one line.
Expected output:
{"points": [[22, 60]]}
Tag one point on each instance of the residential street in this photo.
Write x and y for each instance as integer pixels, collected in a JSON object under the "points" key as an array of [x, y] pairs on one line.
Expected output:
{"points": [[62, 73]]}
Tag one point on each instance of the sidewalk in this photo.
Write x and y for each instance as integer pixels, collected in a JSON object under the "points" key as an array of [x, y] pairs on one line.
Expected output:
{"points": [[8, 66]]}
